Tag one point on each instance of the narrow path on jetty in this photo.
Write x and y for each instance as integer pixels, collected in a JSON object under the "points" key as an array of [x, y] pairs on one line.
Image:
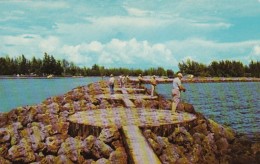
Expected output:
{"points": [[129, 119]]}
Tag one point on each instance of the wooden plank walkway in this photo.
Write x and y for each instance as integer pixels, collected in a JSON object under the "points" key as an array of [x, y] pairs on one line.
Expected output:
{"points": [[139, 150], [130, 96], [128, 103]]}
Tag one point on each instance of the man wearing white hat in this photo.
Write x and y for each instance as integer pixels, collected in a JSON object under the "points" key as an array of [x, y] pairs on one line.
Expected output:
{"points": [[176, 91], [153, 85], [111, 84]]}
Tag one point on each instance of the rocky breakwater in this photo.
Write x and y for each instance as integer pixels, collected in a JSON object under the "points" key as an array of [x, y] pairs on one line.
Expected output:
{"points": [[43, 134], [202, 141], [40, 133]]}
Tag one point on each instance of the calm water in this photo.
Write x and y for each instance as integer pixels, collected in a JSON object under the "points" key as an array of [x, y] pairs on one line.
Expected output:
{"points": [[22, 92], [233, 104]]}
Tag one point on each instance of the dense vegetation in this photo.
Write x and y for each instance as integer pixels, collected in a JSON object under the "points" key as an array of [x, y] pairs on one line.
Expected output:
{"points": [[49, 65], [221, 69]]}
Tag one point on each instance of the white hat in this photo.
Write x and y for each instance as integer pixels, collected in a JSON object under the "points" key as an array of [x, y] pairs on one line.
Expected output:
{"points": [[179, 74]]}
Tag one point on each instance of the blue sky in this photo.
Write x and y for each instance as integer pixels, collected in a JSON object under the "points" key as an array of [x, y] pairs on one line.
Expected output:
{"points": [[132, 33]]}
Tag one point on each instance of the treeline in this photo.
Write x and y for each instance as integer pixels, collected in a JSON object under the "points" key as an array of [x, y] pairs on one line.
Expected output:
{"points": [[221, 69], [49, 65]]}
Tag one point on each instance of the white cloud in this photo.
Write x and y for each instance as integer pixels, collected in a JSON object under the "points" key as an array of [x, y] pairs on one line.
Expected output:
{"points": [[256, 50], [205, 51], [46, 4], [95, 46], [127, 21], [49, 44], [29, 45], [11, 15], [211, 26], [131, 53], [73, 54], [137, 12], [118, 53]]}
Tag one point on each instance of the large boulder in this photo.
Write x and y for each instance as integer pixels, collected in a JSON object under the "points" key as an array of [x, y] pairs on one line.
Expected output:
{"points": [[201, 127], [4, 135], [47, 118], [103, 161], [71, 148], [57, 128], [4, 161], [63, 159], [163, 141], [53, 143], [222, 145], [185, 107], [13, 129], [171, 154], [53, 108], [195, 154], [4, 149], [34, 136], [118, 156], [21, 152], [96, 148], [108, 135], [68, 107], [3, 119], [48, 159], [221, 131], [198, 138], [103, 148], [180, 135]]}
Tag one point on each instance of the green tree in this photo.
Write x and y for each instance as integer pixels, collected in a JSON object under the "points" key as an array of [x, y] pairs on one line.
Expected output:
{"points": [[194, 68], [254, 68]]}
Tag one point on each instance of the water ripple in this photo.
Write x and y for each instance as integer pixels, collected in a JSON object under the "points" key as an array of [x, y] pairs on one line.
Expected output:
{"points": [[233, 104]]}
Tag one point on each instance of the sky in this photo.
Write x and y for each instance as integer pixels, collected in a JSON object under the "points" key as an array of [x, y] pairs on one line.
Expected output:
{"points": [[132, 33]]}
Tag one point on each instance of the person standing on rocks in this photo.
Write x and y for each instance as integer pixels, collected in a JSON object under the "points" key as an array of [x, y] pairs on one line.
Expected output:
{"points": [[176, 91], [111, 84], [123, 81], [127, 79], [153, 85], [140, 81]]}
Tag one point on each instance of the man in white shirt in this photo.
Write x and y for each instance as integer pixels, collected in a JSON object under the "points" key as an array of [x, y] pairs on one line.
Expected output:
{"points": [[111, 83], [176, 91], [153, 85]]}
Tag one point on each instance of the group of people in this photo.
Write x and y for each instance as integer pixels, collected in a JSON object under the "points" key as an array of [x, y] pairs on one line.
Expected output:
{"points": [[177, 86], [122, 81]]}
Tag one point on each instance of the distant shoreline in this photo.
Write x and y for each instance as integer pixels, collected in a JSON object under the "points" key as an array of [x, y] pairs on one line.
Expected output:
{"points": [[220, 79], [38, 77], [159, 80], [205, 79]]}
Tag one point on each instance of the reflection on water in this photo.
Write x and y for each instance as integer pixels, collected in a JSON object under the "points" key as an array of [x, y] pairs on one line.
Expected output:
{"points": [[233, 104]]}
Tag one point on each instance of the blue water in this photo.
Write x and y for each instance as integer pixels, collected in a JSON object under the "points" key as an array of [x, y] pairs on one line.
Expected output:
{"points": [[22, 92], [233, 104]]}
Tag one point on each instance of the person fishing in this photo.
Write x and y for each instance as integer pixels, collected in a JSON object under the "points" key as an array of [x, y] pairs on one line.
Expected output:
{"points": [[176, 91], [111, 83], [153, 85], [140, 81]]}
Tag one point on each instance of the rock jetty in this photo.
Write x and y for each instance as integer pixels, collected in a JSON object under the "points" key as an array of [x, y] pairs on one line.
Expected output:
{"points": [[89, 125]]}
